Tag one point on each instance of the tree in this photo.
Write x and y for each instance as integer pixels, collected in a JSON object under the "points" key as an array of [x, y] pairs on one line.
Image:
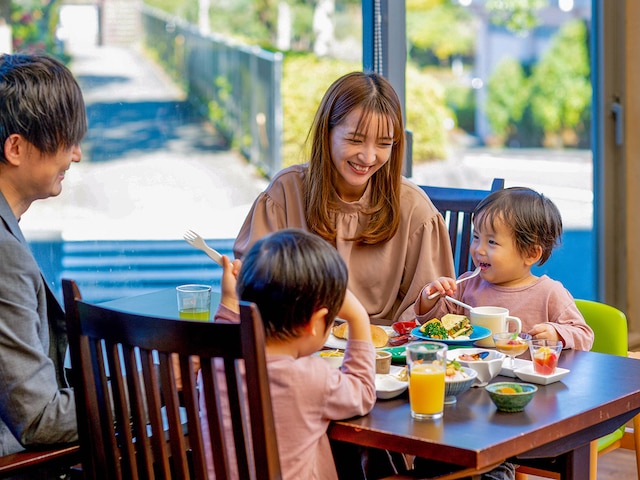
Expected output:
{"points": [[440, 26], [561, 87], [517, 16], [507, 98]]}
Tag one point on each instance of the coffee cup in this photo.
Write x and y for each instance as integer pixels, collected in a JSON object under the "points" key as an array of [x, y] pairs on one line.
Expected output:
{"points": [[496, 319]]}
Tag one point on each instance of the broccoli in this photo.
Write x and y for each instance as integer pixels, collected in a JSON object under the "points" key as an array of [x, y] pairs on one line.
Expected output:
{"points": [[434, 329]]}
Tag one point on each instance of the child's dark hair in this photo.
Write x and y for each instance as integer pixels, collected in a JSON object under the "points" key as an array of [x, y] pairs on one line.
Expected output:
{"points": [[534, 218], [290, 274]]}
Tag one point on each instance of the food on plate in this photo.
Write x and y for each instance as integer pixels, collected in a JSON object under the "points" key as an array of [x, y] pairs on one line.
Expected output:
{"points": [[404, 328], [434, 329], [402, 374], [378, 334], [457, 325], [473, 357], [510, 390], [398, 340], [331, 353], [450, 327], [402, 332], [454, 372]]}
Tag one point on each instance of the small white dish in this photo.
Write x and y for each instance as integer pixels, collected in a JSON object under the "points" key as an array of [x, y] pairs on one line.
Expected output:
{"points": [[487, 368], [507, 371], [528, 375], [388, 386]]}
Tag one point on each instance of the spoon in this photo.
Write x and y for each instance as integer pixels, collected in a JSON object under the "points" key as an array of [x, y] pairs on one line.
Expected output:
{"points": [[459, 281], [458, 302]]}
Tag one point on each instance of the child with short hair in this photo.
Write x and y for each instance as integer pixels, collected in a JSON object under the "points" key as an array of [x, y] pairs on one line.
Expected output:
{"points": [[299, 283], [514, 229]]}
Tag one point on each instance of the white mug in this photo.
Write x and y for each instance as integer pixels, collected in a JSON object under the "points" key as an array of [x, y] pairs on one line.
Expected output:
{"points": [[495, 319]]}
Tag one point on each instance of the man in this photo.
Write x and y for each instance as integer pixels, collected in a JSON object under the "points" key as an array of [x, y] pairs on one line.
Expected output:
{"points": [[42, 121]]}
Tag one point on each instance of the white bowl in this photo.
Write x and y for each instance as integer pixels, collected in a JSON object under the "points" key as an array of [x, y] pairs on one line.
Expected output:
{"points": [[487, 368], [388, 386], [334, 361], [456, 387]]}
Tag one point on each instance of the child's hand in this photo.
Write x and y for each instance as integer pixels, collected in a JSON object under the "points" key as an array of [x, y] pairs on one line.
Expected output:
{"points": [[442, 285], [544, 331], [356, 316], [229, 280]]}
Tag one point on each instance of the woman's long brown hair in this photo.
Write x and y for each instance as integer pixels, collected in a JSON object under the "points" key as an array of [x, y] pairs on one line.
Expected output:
{"points": [[375, 96]]}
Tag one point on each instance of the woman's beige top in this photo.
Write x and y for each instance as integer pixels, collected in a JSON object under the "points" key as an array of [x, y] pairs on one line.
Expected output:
{"points": [[386, 278]]}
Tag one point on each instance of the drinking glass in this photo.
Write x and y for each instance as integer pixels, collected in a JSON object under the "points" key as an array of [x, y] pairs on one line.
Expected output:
{"points": [[544, 355], [194, 302], [427, 364], [512, 344]]}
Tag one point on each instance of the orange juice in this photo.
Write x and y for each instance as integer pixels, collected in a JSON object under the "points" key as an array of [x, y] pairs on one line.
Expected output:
{"points": [[426, 390], [195, 314]]}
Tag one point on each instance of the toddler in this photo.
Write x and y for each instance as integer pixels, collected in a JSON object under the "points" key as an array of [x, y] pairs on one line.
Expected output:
{"points": [[299, 283], [514, 229]]}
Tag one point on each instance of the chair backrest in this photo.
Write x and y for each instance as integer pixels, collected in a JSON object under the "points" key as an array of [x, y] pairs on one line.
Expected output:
{"points": [[134, 422], [456, 206], [609, 326]]}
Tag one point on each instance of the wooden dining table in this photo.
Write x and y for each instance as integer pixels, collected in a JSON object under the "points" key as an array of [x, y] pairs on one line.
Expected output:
{"points": [[599, 394]]}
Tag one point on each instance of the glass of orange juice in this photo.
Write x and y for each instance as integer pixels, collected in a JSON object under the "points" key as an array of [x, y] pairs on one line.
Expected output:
{"points": [[427, 364], [194, 302]]}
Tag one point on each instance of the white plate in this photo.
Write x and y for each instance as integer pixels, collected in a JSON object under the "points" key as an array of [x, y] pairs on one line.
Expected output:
{"points": [[506, 366], [388, 385], [341, 343], [528, 375]]}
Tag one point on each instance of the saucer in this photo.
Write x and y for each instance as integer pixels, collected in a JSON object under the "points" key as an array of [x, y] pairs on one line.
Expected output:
{"points": [[528, 375]]}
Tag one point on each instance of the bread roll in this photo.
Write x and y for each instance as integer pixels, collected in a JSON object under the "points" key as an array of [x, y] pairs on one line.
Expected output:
{"points": [[378, 334]]}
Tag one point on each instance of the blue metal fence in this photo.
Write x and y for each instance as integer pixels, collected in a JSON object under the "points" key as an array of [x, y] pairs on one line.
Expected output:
{"points": [[110, 269], [237, 87]]}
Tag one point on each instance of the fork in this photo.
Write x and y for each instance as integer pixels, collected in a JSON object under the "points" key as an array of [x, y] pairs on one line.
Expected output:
{"points": [[459, 281], [196, 241]]}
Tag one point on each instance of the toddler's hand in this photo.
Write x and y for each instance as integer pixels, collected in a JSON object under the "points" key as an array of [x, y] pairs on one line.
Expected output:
{"points": [[229, 281], [442, 285], [544, 331]]}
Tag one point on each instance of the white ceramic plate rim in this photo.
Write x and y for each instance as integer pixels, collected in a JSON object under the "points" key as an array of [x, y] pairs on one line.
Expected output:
{"points": [[528, 375]]}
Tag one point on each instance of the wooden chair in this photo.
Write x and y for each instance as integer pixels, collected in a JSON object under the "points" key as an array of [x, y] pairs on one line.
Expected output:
{"points": [[49, 458], [609, 326], [131, 421], [456, 206]]}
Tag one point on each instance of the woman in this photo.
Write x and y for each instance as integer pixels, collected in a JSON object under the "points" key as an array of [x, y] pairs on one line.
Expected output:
{"points": [[352, 194]]}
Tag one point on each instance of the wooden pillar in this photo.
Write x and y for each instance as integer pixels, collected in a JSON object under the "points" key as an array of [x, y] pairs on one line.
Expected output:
{"points": [[632, 164]]}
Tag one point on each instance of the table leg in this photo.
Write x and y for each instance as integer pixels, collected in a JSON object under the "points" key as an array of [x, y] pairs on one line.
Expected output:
{"points": [[577, 464], [572, 465]]}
